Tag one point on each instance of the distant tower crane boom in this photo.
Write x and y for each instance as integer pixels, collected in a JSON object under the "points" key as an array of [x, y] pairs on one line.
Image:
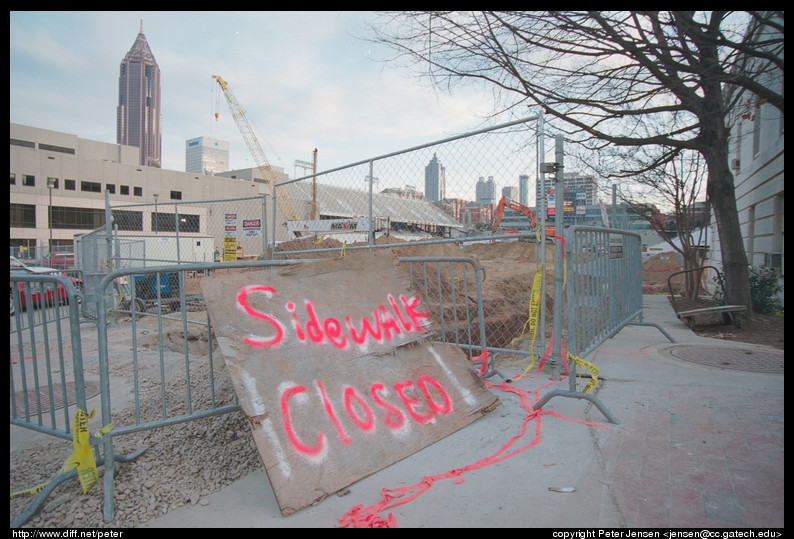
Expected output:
{"points": [[253, 144]]}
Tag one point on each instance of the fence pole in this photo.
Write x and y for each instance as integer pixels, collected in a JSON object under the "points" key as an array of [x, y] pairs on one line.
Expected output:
{"points": [[542, 256], [559, 232]]}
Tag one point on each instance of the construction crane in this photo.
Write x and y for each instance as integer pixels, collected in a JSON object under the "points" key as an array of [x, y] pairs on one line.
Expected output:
{"points": [[253, 144], [505, 202]]}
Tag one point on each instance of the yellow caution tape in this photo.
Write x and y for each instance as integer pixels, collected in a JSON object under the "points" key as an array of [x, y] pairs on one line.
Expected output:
{"points": [[532, 321], [82, 457], [585, 365]]}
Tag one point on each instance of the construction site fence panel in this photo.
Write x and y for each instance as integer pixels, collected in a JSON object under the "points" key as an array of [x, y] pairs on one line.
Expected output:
{"points": [[424, 189], [604, 283], [46, 353], [47, 379], [442, 194], [187, 232]]}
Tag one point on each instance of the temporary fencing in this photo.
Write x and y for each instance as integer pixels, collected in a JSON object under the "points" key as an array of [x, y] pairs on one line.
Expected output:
{"points": [[436, 199], [47, 379], [603, 277], [188, 231], [175, 376]]}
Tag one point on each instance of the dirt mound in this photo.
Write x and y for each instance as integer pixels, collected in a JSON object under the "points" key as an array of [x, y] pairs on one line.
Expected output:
{"points": [[508, 270], [308, 244], [656, 270]]}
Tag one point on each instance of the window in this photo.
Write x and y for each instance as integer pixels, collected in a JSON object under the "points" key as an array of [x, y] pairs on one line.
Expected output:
{"points": [[91, 187], [164, 222], [23, 215], [82, 218], [110, 188], [28, 180], [128, 220], [13, 179], [23, 143], [52, 182], [138, 191], [51, 148], [176, 195], [125, 190], [69, 185]]}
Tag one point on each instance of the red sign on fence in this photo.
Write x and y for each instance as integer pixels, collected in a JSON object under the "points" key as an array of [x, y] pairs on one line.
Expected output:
{"points": [[333, 368]]}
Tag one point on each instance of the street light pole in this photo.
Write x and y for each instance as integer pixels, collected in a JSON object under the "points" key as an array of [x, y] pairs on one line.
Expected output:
{"points": [[50, 187]]}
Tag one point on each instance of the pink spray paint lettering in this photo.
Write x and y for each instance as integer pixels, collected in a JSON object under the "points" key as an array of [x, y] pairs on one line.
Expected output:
{"points": [[384, 324], [422, 404]]}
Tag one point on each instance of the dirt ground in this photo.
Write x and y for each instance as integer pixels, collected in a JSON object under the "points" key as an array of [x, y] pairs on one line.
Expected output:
{"points": [[765, 329]]}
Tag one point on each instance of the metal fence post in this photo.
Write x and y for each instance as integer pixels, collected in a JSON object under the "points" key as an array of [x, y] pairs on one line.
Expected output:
{"points": [[556, 355]]}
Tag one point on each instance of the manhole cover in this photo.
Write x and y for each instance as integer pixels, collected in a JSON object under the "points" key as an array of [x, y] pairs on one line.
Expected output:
{"points": [[743, 359], [91, 390]]}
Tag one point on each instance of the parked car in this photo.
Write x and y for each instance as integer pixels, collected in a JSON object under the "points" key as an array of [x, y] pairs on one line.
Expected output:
{"points": [[51, 295], [59, 260]]}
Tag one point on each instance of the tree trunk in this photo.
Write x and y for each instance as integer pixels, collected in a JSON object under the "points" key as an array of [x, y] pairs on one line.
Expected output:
{"points": [[722, 195]]}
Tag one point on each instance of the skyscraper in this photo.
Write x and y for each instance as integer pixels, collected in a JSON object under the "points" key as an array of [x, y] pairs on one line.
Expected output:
{"points": [[138, 116], [485, 191], [435, 180]]}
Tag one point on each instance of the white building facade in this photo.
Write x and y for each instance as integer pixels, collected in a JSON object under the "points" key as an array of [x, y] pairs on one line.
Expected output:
{"points": [[757, 162], [205, 155]]}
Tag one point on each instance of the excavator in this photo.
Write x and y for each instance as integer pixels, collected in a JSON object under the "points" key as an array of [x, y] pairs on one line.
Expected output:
{"points": [[505, 202]]}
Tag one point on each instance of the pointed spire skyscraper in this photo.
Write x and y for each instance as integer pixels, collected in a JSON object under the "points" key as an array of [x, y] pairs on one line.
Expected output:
{"points": [[139, 116]]}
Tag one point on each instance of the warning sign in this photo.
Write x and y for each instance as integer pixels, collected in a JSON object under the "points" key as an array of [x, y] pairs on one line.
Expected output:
{"points": [[335, 372], [230, 249], [252, 228]]}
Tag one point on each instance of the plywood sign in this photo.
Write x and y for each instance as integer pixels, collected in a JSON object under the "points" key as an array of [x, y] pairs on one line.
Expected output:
{"points": [[333, 368]]}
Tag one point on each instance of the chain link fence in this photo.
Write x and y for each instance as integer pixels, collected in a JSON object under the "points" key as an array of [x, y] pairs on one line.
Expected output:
{"points": [[438, 199], [181, 232]]}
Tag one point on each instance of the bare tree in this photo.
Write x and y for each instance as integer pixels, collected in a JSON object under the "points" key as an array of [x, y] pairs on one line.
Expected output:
{"points": [[680, 186], [664, 81]]}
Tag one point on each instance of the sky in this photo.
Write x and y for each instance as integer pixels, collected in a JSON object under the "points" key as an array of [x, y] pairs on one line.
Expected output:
{"points": [[305, 79]]}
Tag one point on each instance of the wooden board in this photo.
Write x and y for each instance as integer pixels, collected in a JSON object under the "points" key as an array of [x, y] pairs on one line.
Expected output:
{"points": [[333, 367]]}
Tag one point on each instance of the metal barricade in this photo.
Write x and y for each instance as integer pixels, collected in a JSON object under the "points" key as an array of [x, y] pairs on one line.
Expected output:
{"points": [[47, 374], [603, 277], [451, 288]]}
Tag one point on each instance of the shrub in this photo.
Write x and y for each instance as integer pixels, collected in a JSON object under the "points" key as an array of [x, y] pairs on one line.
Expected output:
{"points": [[764, 289]]}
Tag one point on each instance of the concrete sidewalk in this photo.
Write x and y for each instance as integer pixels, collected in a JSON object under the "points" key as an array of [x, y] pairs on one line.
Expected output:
{"points": [[696, 446]]}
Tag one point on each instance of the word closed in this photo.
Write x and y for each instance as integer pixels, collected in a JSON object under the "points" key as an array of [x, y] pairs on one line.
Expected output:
{"points": [[419, 402]]}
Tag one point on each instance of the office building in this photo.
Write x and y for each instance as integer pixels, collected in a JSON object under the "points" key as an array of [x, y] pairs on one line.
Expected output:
{"points": [[204, 155], [435, 180], [485, 191], [59, 181], [585, 187], [523, 189]]}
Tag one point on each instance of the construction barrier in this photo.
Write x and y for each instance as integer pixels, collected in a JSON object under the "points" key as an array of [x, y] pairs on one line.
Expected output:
{"points": [[603, 278]]}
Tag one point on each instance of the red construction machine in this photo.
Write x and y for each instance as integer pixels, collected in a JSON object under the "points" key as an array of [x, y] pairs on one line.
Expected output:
{"points": [[505, 202]]}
